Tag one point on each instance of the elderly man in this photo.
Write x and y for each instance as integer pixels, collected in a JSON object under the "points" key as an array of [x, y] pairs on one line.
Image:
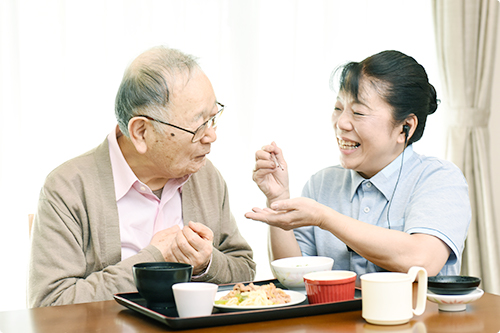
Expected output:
{"points": [[147, 193]]}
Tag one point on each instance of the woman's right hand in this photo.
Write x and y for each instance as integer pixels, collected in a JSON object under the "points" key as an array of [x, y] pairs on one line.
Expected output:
{"points": [[271, 173]]}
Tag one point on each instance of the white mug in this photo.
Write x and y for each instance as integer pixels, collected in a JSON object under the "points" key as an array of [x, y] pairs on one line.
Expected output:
{"points": [[194, 299], [387, 297]]}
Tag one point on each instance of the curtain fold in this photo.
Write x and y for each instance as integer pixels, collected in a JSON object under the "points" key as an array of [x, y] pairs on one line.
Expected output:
{"points": [[465, 36]]}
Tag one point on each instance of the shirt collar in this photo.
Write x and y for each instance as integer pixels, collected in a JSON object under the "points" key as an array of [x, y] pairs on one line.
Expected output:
{"points": [[124, 177], [385, 180]]}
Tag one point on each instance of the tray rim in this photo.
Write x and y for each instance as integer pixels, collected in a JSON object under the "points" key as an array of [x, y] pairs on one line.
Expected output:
{"points": [[228, 318]]}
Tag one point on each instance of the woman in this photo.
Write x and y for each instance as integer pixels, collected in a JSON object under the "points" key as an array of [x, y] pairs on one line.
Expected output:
{"points": [[385, 207]]}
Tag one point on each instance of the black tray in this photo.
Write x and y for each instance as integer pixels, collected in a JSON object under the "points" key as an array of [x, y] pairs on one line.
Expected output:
{"points": [[135, 302]]}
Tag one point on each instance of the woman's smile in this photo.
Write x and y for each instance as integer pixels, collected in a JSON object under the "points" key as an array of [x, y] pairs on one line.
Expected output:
{"points": [[347, 145]]}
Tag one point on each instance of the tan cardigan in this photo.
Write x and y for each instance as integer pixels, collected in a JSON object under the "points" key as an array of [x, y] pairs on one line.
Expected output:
{"points": [[75, 240]]}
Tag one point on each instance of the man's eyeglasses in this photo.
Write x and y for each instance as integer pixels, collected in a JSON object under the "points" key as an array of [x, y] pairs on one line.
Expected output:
{"points": [[200, 131]]}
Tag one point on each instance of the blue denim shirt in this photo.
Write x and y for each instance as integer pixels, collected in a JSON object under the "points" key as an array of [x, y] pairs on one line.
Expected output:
{"points": [[430, 198]]}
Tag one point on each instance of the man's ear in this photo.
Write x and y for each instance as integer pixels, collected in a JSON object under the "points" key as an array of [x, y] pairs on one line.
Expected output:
{"points": [[138, 129]]}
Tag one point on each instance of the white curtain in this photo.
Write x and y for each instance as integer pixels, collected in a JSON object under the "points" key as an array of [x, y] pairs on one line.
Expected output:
{"points": [[466, 36], [61, 62]]}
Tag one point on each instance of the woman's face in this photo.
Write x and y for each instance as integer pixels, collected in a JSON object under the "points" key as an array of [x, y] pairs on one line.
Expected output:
{"points": [[367, 137]]}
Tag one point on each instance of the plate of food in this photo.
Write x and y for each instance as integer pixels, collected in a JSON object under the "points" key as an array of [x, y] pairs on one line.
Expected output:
{"points": [[253, 297]]}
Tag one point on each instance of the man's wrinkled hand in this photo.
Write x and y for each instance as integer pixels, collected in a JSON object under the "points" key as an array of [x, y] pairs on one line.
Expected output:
{"points": [[191, 245], [163, 240]]}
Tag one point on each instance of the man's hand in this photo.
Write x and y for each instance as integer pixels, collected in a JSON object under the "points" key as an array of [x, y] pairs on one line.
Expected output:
{"points": [[191, 245], [163, 239]]}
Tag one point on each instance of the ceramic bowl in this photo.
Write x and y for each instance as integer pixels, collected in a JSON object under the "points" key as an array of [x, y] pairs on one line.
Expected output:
{"points": [[330, 286], [452, 284], [454, 302], [154, 281], [290, 271]]}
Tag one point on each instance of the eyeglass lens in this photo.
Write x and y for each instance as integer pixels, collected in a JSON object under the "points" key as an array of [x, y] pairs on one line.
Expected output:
{"points": [[212, 122]]}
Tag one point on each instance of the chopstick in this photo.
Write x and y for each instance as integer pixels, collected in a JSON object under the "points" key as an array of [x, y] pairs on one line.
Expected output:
{"points": [[276, 161]]}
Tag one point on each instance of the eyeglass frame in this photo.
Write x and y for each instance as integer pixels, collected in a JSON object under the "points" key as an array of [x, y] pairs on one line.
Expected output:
{"points": [[219, 113]]}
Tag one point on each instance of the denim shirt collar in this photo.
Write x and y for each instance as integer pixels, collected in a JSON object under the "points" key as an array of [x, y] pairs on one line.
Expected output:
{"points": [[385, 180]]}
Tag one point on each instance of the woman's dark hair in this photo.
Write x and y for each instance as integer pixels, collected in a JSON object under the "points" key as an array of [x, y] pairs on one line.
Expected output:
{"points": [[399, 79]]}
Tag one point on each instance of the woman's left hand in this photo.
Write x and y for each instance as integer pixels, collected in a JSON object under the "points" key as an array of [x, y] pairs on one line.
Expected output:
{"points": [[290, 214]]}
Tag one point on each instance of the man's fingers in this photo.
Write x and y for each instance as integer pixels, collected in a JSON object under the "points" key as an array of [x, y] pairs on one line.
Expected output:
{"points": [[202, 230]]}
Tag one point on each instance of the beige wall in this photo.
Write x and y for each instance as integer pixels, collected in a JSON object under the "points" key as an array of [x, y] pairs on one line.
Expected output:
{"points": [[494, 126]]}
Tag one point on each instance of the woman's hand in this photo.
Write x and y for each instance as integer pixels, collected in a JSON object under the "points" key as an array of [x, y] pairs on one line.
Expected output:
{"points": [[271, 173], [292, 213]]}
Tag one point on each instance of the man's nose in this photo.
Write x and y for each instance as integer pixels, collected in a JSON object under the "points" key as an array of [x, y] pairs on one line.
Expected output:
{"points": [[210, 135]]}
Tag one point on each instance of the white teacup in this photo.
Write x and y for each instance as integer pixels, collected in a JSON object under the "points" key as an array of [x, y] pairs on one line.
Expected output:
{"points": [[194, 299], [387, 297]]}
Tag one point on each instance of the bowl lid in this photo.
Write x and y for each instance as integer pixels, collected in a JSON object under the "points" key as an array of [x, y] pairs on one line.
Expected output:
{"points": [[452, 284], [453, 281]]}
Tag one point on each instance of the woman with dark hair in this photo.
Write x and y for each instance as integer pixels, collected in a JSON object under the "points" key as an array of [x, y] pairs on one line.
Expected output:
{"points": [[386, 208]]}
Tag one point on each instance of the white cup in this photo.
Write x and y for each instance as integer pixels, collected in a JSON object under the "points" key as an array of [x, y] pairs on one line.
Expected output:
{"points": [[387, 297], [194, 299]]}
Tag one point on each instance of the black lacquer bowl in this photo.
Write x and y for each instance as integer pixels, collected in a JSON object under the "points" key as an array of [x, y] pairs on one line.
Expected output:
{"points": [[452, 284], [154, 281]]}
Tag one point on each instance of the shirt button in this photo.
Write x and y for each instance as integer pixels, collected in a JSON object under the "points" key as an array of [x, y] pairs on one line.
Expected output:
{"points": [[368, 184], [366, 210], [143, 188]]}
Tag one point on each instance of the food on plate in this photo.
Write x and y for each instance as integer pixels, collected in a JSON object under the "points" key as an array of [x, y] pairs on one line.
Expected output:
{"points": [[252, 295]]}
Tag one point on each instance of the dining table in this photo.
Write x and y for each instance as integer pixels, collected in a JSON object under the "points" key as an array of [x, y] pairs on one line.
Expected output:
{"points": [[482, 316]]}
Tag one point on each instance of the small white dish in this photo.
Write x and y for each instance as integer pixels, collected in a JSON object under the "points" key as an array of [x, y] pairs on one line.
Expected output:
{"points": [[453, 303], [296, 298], [290, 271]]}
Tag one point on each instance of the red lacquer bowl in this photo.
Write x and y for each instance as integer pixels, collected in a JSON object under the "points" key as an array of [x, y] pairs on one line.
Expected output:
{"points": [[330, 286]]}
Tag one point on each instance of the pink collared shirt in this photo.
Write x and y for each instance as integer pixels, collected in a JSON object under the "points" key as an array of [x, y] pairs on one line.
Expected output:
{"points": [[140, 212]]}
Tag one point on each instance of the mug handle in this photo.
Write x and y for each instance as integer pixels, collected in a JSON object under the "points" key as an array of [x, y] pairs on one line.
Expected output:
{"points": [[422, 288]]}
